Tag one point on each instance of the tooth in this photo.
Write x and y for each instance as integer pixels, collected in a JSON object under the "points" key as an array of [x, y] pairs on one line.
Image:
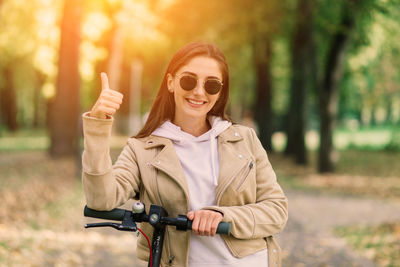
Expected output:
{"points": [[195, 102]]}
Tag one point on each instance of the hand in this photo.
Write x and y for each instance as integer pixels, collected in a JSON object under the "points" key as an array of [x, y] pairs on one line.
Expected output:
{"points": [[108, 102], [205, 222]]}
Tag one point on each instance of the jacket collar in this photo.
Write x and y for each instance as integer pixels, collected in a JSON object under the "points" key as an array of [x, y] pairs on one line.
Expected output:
{"points": [[229, 135], [167, 160], [153, 141]]}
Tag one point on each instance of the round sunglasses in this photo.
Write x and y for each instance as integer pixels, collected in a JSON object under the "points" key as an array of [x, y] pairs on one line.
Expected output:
{"points": [[189, 82]]}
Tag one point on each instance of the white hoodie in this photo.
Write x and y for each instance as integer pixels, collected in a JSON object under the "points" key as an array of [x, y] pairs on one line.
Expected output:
{"points": [[200, 163]]}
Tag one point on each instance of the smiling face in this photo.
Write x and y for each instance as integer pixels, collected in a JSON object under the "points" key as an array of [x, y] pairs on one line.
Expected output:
{"points": [[194, 105]]}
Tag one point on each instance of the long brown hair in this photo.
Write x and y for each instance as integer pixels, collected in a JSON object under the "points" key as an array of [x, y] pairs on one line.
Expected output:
{"points": [[164, 105]]}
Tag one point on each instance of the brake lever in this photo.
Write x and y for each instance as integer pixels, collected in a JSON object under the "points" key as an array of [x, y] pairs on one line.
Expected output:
{"points": [[118, 226], [128, 224]]}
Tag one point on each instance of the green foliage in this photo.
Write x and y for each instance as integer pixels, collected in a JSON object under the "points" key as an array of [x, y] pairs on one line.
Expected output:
{"points": [[153, 30]]}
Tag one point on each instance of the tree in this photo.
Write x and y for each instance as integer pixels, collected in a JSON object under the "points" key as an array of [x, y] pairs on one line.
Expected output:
{"points": [[328, 87], [263, 102], [8, 102], [303, 73], [65, 106]]}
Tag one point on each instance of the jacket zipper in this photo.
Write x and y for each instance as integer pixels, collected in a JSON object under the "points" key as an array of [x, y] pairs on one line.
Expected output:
{"points": [[228, 183], [245, 175]]}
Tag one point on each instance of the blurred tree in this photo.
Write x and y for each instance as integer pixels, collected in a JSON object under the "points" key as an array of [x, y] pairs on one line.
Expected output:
{"points": [[65, 106], [329, 85], [38, 101], [12, 60], [355, 40], [370, 89], [27, 47], [8, 99], [263, 97], [303, 63], [261, 29]]}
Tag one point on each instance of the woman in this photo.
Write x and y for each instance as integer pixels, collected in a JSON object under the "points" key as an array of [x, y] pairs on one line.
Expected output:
{"points": [[190, 159]]}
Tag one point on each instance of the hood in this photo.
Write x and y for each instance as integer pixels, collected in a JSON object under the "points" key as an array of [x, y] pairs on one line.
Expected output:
{"points": [[175, 134], [185, 141]]}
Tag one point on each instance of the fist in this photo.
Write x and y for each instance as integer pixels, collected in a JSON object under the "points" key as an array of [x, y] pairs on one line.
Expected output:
{"points": [[108, 102], [205, 222]]}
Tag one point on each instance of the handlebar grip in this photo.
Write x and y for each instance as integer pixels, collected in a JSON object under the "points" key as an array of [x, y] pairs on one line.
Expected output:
{"points": [[115, 214], [223, 228]]}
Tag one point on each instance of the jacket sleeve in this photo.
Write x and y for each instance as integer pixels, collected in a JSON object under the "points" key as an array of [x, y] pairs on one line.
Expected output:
{"points": [[269, 214], [106, 186]]}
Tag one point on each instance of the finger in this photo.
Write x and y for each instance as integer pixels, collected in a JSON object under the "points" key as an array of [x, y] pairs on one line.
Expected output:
{"points": [[112, 92], [203, 226], [111, 104], [108, 103], [190, 215], [116, 94], [208, 227], [111, 96], [104, 81], [107, 110], [195, 225]]}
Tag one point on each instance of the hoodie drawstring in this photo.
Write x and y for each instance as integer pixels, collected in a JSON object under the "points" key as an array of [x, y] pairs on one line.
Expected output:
{"points": [[212, 144]]}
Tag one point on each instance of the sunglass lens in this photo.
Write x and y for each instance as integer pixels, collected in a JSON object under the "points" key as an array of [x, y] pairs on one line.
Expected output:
{"points": [[188, 82], [212, 86]]}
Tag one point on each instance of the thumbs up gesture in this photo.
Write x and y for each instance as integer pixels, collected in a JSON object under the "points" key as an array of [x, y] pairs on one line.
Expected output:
{"points": [[108, 102]]}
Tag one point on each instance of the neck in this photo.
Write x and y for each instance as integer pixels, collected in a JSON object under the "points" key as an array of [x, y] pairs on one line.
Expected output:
{"points": [[195, 127]]}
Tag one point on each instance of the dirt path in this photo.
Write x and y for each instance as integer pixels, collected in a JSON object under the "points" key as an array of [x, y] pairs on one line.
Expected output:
{"points": [[308, 239], [30, 236]]}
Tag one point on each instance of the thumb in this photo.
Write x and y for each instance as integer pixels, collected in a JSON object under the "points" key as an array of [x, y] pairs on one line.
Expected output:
{"points": [[104, 81]]}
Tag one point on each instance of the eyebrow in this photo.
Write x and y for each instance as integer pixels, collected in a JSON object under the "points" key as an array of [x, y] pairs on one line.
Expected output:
{"points": [[194, 74]]}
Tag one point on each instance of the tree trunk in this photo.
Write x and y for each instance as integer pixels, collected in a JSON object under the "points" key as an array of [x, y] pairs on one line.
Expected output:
{"points": [[262, 109], [389, 108], [38, 103], [65, 107], [328, 88], [9, 101], [302, 46]]}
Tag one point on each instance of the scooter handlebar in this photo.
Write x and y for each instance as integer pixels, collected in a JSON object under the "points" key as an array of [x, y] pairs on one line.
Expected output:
{"points": [[115, 214], [224, 228]]}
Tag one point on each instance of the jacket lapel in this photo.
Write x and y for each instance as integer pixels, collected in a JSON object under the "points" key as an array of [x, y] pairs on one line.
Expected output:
{"points": [[167, 161], [230, 160]]}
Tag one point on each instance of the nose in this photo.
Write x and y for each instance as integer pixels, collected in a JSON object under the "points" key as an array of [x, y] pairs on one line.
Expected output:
{"points": [[199, 89]]}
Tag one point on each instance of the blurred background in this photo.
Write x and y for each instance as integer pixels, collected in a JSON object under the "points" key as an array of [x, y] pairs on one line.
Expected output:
{"points": [[319, 80]]}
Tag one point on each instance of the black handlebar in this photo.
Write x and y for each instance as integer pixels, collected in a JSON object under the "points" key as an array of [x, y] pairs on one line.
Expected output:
{"points": [[115, 214], [157, 217], [181, 222]]}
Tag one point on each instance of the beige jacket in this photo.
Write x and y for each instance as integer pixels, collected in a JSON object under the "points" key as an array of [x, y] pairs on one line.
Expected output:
{"points": [[247, 194]]}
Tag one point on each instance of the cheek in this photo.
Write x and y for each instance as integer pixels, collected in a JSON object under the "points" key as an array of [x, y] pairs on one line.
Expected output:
{"points": [[179, 97], [215, 98]]}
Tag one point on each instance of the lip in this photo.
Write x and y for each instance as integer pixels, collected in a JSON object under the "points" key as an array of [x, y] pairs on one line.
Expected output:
{"points": [[188, 100]]}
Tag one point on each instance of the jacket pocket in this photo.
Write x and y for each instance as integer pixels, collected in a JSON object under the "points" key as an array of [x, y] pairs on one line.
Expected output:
{"points": [[244, 176]]}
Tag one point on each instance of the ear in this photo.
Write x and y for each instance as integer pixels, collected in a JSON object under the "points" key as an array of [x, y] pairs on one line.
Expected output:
{"points": [[170, 83]]}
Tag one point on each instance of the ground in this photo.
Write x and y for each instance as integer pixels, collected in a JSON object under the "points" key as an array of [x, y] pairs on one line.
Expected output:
{"points": [[41, 221], [308, 239]]}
